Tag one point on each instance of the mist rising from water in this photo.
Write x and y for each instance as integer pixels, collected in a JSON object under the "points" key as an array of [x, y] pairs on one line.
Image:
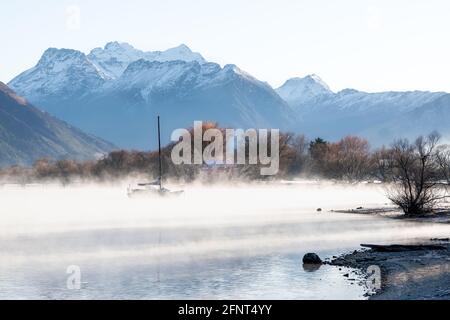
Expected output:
{"points": [[52, 223]]}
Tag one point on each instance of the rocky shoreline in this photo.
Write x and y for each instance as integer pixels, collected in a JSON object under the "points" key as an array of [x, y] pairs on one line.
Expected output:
{"points": [[404, 274]]}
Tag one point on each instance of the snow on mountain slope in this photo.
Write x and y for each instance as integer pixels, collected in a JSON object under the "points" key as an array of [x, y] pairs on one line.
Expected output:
{"points": [[377, 116], [115, 57], [150, 77], [181, 93], [66, 72], [432, 116], [60, 72], [120, 86], [120, 106], [383, 101], [182, 52], [298, 91], [312, 94]]}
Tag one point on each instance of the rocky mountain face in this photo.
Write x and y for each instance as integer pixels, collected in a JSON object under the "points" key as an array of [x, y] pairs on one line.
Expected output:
{"points": [[28, 134]]}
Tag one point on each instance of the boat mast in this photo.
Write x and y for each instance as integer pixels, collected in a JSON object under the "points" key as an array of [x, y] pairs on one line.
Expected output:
{"points": [[159, 150]]}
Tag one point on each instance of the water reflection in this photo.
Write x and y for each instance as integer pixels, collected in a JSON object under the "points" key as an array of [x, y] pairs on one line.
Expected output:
{"points": [[248, 248], [311, 267]]}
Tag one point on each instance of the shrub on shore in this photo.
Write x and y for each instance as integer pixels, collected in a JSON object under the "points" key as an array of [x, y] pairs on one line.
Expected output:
{"points": [[416, 175]]}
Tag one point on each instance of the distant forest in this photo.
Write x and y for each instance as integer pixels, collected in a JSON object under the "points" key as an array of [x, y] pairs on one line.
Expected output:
{"points": [[349, 159]]}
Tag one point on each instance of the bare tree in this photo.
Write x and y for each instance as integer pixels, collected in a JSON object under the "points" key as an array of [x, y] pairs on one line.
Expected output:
{"points": [[416, 187], [443, 158], [381, 164]]}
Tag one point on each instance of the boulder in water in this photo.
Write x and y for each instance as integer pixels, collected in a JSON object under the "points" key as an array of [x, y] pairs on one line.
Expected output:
{"points": [[312, 258]]}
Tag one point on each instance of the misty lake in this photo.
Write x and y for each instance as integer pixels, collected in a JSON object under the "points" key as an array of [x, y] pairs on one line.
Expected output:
{"points": [[215, 242]]}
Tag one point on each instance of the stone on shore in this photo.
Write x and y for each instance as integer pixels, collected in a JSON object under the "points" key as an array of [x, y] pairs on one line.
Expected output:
{"points": [[312, 258]]}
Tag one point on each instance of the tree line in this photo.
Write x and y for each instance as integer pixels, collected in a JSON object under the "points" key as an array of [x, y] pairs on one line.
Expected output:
{"points": [[417, 173]]}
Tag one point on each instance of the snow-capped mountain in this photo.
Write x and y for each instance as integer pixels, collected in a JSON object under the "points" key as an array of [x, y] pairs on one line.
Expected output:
{"points": [[59, 73], [151, 77], [431, 116], [379, 117], [122, 105], [28, 134], [115, 57], [299, 91], [66, 72], [116, 91], [124, 111]]}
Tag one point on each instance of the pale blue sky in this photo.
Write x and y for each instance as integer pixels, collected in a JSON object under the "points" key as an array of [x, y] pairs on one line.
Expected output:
{"points": [[371, 45]]}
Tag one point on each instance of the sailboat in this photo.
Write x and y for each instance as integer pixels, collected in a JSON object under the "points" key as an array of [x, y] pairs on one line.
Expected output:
{"points": [[154, 188]]}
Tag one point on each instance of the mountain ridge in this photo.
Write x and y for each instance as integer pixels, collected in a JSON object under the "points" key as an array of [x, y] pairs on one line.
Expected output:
{"points": [[380, 117], [115, 57], [94, 91], [28, 134], [182, 91]]}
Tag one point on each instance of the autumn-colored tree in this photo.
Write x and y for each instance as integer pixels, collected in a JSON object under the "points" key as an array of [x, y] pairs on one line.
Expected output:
{"points": [[347, 159], [350, 158]]}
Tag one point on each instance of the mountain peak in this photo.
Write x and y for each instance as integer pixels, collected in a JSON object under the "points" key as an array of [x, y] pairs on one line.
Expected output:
{"points": [[59, 71], [52, 55], [117, 48], [348, 91], [181, 52], [300, 90], [112, 45], [309, 81], [115, 57], [118, 45], [234, 69], [182, 47], [318, 80]]}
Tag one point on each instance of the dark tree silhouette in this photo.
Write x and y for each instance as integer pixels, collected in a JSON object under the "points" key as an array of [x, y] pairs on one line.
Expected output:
{"points": [[415, 173]]}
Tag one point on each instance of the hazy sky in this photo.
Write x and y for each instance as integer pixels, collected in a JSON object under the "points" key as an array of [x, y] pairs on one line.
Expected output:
{"points": [[371, 45]]}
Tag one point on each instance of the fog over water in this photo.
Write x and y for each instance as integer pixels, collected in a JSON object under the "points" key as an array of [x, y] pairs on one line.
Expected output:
{"points": [[229, 241]]}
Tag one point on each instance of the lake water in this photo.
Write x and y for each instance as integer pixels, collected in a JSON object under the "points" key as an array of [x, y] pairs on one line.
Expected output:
{"points": [[215, 242]]}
